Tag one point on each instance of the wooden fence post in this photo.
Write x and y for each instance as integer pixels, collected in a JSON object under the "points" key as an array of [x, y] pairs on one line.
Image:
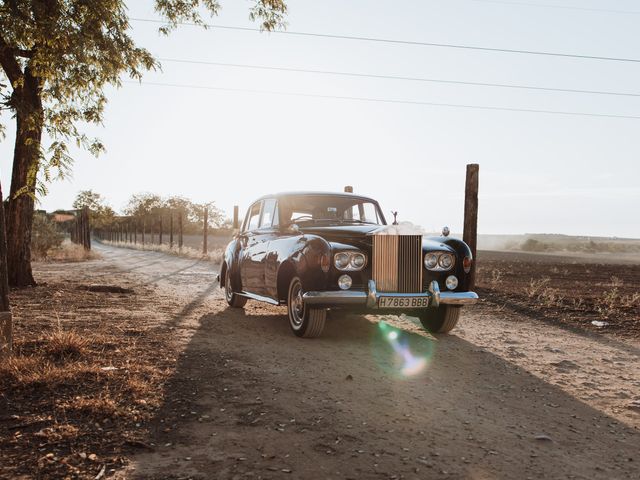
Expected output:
{"points": [[171, 230], [206, 231], [180, 230], [87, 229], [235, 218], [6, 322], [470, 233]]}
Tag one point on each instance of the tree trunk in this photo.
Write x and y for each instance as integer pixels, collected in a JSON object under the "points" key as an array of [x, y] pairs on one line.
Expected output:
{"points": [[26, 157], [6, 324], [4, 285]]}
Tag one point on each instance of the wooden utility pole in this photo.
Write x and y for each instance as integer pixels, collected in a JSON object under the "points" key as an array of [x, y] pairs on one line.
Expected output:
{"points": [[235, 217], [206, 231], [6, 323], [171, 230], [470, 233]]}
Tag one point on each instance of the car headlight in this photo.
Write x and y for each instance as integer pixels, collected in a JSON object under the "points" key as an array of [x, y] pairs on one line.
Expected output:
{"points": [[445, 261], [439, 261], [350, 261], [341, 260], [358, 260], [431, 261]]}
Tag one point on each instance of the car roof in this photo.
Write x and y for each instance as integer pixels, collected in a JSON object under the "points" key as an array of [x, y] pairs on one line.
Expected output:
{"points": [[328, 194]]}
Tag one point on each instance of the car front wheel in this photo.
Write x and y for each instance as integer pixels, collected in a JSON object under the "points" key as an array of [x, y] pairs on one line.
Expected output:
{"points": [[440, 320], [303, 320], [233, 299]]}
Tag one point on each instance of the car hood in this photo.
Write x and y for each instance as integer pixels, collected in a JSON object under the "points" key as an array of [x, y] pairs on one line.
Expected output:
{"points": [[360, 236]]}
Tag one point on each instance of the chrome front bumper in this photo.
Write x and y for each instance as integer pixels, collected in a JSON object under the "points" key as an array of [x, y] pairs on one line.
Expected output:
{"points": [[370, 299]]}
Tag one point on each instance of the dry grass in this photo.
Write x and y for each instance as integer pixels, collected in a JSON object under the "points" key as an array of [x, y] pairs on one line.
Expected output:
{"points": [[70, 252], [536, 287], [550, 297], [612, 300], [61, 346], [78, 384]]}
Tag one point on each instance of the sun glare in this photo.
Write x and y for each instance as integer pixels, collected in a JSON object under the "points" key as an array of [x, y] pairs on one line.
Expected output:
{"points": [[405, 360]]}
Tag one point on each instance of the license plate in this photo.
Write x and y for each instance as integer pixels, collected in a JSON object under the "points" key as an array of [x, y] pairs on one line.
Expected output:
{"points": [[403, 302]]}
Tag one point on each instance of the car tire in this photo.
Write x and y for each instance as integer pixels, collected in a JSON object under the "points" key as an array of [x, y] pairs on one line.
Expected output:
{"points": [[304, 321], [441, 319], [233, 299]]}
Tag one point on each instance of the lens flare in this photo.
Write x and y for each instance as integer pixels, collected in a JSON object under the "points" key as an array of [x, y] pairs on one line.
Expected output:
{"points": [[402, 358]]}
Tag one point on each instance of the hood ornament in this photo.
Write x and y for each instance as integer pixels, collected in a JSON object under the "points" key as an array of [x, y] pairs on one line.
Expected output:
{"points": [[395, 217], [445, 231]]}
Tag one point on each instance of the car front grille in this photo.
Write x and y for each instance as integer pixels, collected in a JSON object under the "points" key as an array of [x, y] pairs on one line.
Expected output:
{"points": [[397, 263]]}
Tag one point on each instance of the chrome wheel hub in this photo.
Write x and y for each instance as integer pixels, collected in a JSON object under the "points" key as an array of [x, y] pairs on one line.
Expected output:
{"points": [[228, 290], [296, 306]]}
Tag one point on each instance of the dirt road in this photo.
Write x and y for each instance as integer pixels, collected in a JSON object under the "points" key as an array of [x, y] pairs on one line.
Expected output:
{"points": [[501, 398]]}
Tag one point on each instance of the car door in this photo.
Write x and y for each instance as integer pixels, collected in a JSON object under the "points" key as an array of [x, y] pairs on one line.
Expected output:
{"points": [[283, 243], [249, 238], [260, 250]]}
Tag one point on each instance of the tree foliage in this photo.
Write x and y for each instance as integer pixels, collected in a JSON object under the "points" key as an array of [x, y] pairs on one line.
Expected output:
{"points": [[100, 213], [151, 206], [69, 50], [45, 237]]}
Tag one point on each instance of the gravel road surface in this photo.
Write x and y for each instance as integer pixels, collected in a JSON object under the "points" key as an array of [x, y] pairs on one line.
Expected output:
{"points": [[501, 398]]}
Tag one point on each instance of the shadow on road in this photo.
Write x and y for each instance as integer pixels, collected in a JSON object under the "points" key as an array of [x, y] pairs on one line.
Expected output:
{"points": [[249, 398]]}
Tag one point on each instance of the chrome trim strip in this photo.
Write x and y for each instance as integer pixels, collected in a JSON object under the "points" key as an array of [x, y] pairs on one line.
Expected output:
{"points": [[458, 298], [343, 297], [259, 298]]}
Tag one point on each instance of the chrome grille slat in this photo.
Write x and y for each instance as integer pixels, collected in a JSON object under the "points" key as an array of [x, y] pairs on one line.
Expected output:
{"points": [[397, 263]]}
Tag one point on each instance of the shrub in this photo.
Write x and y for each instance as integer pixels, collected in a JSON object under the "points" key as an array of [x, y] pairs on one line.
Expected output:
{"points": [[533, 245], [45, 236]]}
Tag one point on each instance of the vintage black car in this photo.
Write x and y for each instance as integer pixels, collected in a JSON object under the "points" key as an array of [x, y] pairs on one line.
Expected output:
{"points": [[319, 251]]}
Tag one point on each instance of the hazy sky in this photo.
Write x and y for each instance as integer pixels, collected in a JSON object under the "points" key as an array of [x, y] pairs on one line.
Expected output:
{"points": [[538, 172]]}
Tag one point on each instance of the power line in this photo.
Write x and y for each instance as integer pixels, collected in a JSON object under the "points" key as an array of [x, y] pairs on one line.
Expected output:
{"points": [[382, 100], [403, 42], [397, 77], [563, 7]]}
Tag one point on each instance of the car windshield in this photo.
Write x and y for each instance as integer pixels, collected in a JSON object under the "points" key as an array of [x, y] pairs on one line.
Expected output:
{"points": [[329, 209]]}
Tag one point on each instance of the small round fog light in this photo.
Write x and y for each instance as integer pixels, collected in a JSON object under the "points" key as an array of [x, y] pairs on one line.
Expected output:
{"points": [[452, 282], [344, 282]]}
